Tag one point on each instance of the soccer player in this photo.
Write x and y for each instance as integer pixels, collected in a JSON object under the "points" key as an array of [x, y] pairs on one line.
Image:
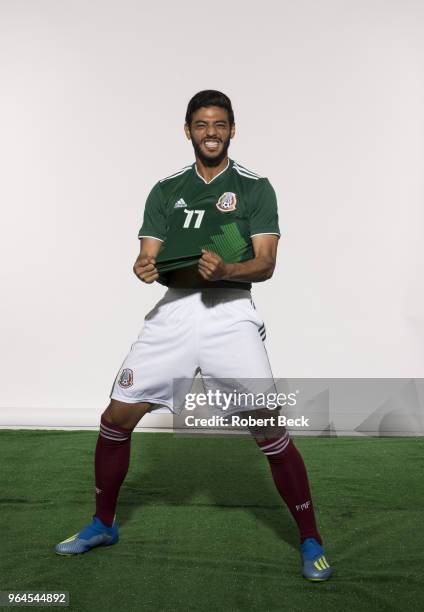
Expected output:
{"points": [[209, 231]]}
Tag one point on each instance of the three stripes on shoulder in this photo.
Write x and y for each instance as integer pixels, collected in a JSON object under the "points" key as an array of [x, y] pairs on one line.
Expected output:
{"points": [[236, 166], [245, 172], [176, 174]]}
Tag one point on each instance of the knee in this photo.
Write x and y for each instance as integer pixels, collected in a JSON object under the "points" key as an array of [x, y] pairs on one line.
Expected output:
{"points": [[125, 415], [108, 416], [265, 425]]}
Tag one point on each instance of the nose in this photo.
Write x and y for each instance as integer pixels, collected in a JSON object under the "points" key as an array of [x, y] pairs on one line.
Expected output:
{"points": [[211, 131]]}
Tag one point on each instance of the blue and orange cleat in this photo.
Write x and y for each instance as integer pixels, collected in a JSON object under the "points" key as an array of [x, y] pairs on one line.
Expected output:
{"points": [[315, 566], [95, 534]]}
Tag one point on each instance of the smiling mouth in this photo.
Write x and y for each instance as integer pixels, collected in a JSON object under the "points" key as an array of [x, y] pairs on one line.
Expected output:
{"points": [[211, 145]]}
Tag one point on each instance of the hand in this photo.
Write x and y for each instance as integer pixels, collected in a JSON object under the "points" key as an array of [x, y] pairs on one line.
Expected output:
{"points": [[211, 266], [145, 269]]}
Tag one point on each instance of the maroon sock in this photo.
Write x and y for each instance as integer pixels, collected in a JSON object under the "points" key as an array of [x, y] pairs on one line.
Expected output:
{"points": [[111, 466], [291, 480]]}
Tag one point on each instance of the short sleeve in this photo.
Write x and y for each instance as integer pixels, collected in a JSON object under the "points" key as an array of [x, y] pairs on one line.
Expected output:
{"points": [[263, 210], [154, 219]]}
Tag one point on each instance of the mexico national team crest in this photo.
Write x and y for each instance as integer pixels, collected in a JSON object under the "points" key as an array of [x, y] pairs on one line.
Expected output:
{"points": [[227, 202], [126, 379]]}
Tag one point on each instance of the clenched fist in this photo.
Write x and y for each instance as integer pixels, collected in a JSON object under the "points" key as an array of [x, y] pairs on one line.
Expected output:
{"points": [[145, 269], [211, 266]]}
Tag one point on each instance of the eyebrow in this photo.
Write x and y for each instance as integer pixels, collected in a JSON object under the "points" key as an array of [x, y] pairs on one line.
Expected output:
{"points": [[217, 121]]}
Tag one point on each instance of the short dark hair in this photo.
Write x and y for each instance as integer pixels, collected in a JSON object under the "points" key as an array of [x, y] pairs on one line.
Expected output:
{"points": [[209, 97]]}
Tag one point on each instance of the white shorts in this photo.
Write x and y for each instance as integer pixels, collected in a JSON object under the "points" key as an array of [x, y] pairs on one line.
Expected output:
{"points": [[216, 332]]}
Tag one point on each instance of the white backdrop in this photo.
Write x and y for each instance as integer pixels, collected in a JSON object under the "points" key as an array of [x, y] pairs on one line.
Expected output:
{"points": [[328, 99]]}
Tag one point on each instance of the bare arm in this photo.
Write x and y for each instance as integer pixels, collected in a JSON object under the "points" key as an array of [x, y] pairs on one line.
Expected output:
{"points": [[260, 268], [144, 267]]}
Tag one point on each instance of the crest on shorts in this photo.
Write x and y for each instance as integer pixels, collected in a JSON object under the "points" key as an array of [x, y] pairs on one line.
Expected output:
{"points": [[126, 379], [227, 202]]}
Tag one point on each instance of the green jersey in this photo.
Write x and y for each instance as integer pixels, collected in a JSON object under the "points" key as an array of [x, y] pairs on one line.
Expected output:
{"points": [[189, 214]]}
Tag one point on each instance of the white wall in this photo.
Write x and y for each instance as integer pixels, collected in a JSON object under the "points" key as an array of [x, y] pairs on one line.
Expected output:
{"points": [[328, 102]]}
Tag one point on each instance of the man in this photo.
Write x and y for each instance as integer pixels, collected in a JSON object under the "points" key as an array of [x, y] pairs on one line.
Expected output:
{"points": [[209, 231]]}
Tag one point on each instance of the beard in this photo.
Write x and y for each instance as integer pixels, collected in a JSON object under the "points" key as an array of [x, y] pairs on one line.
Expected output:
{"points": [[211, 162]]}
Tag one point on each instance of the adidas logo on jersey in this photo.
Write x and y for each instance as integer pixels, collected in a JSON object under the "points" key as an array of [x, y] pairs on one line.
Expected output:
{"points": [[180, 203]]}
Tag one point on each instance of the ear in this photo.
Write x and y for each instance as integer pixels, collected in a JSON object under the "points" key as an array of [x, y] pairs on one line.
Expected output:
{"points": [[187, 131], [233, 130]]}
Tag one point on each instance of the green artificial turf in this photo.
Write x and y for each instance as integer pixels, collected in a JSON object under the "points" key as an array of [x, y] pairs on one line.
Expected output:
{"points": [[202, 527]]}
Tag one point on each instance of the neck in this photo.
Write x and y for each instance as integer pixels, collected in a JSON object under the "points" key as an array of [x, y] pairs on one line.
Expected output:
{"points": [[210, 172]]}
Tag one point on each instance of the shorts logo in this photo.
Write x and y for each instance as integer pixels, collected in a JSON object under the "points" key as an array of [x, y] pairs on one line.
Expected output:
{"points": [[126, 379], [227, 202]]}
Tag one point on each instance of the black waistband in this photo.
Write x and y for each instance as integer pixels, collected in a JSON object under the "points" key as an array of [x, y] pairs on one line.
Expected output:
{"points": [[166, 279]]}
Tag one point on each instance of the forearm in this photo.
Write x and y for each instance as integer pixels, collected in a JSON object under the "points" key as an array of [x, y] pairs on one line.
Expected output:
{"points": [[144, 267], [254, 270]]}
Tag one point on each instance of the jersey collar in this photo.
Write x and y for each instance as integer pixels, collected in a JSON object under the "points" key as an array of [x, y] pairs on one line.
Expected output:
{"points": [[215, 177]]}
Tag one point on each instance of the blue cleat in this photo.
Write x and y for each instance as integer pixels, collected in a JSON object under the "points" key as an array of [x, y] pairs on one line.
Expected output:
{"points": [[315, 565], [96, 534]]}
